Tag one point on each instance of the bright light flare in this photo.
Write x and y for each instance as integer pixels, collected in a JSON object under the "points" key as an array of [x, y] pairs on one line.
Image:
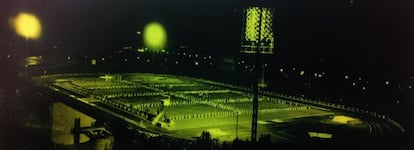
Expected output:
{"points": [[27, 25], [155, 36]]}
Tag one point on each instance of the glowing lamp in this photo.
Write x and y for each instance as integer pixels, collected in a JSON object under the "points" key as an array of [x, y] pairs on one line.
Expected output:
{"points": [[155, 37], [27, 25]]}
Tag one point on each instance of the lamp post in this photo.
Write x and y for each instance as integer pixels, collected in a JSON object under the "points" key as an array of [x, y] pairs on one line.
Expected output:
{"points": [[256, 82], [257, 39]]}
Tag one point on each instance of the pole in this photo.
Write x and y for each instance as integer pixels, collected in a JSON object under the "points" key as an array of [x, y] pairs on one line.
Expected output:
{"points": [[237, 125], [76, 133]]}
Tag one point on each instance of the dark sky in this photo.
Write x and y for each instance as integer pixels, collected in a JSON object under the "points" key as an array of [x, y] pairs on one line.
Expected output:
{"points": [[364, 33]]}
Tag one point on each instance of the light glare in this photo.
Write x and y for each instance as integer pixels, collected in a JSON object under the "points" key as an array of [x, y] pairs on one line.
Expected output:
{"points": [[27, 25], [155, 36]]}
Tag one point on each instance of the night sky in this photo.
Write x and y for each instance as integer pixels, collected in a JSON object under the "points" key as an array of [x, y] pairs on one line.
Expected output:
{"points": [[373, 35]]}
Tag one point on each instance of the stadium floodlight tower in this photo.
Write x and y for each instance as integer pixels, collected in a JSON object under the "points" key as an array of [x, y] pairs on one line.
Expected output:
{"points": [[257, 39]]}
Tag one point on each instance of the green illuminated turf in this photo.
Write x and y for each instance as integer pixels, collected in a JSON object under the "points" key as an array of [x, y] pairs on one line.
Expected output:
{"points": [[195, 106]]}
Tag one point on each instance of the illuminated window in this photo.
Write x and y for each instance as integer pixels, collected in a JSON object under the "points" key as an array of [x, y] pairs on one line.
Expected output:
{"points": [[93, 62], [302, 73], [320, 75]]}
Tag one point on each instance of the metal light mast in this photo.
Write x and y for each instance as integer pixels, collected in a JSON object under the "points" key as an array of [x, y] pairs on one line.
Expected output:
{"points": [[257, 39]]}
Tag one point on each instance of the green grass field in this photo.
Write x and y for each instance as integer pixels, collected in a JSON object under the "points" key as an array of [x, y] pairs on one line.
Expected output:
{"points": [[226, 126], [208, 109]]}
